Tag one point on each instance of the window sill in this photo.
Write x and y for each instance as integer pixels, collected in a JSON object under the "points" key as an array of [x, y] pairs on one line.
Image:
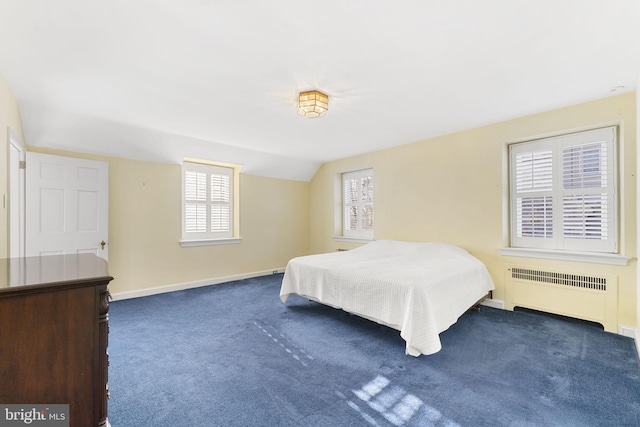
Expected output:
{"points": [[591, 257], [353, 239], [210, 242]]}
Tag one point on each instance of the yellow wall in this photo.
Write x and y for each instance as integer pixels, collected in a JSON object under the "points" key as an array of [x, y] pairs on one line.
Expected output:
{"points": [[9, 121], [145, 226], [637, 331], [452, 189]]}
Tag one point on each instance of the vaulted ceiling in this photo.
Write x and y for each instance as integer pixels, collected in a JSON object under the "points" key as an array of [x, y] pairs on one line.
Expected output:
{"points": [[160, 80]]}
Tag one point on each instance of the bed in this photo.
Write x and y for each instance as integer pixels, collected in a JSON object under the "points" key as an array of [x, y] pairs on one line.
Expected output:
{"points": [[420, 289]]}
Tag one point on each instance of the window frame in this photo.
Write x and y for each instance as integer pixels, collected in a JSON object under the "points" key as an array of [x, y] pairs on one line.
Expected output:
{"points": [[358, 233], [560, 246], [209, 237]]}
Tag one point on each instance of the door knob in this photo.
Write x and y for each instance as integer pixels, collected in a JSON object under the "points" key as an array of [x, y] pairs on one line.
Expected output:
{"points": [[102, 244]]}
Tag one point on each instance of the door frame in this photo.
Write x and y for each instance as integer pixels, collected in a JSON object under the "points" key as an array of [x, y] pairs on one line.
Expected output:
{"points": [[17, 196]]}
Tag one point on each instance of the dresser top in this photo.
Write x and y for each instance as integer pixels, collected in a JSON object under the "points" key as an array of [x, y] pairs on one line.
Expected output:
{"points": [[50, 270]]}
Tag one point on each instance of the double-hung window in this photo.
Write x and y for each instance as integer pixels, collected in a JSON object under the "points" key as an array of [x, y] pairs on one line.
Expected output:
{"points": [[563, 192], [207, 201], [357, 204]]}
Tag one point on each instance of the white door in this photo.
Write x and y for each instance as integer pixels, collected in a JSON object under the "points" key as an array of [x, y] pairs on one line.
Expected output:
{"points": [[66, 205]]}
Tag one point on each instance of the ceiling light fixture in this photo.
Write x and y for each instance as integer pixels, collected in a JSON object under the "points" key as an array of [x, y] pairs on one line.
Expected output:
{"points": [[312, 103]]}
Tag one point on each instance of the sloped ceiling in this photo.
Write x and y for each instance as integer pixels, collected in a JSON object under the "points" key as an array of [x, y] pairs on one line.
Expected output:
{"points": [[163, 79]]}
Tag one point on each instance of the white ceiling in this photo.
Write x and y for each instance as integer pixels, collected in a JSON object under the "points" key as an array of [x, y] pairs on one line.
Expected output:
{"points": [[217, 79]]}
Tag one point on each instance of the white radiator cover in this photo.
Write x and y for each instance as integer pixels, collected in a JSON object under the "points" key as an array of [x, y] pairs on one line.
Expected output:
{"points": [[592, 297]]}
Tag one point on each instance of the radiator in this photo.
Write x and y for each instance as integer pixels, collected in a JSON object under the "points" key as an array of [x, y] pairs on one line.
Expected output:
{"points": [[578, 295]]}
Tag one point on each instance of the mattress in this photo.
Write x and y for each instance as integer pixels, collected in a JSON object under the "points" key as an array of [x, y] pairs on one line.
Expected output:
{"points": [[419, 289]]}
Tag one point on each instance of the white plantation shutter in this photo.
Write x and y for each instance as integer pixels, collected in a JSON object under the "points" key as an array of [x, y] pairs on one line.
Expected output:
{"points": [[220, 202], [195, 201], [534, 200], [588, 191], [357, 203], [350, 195], [534, 216], [563, 193], [207, 201]]}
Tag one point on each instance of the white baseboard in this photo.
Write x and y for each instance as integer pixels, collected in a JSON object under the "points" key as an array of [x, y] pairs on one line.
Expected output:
{"points": [[627, 331], [189, 285], [631, 332], [495, 303]]}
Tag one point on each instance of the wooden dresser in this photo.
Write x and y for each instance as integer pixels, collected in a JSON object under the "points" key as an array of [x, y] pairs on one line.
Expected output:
{"points": [[54, 334]]}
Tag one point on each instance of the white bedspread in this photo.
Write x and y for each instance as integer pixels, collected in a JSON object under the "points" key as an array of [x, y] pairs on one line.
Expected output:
{"points": [[420, 289]]}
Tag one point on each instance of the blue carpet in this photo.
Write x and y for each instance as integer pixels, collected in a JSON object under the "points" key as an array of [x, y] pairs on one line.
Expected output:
{"points": [[234, 355]]}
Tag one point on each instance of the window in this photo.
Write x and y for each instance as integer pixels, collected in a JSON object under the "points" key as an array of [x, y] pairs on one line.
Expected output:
{"points": [[357, 204], [207, 201], [563, 192]]}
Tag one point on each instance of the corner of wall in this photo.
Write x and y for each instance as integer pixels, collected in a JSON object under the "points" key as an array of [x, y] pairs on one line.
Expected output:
{"points": [[637, 216]]}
